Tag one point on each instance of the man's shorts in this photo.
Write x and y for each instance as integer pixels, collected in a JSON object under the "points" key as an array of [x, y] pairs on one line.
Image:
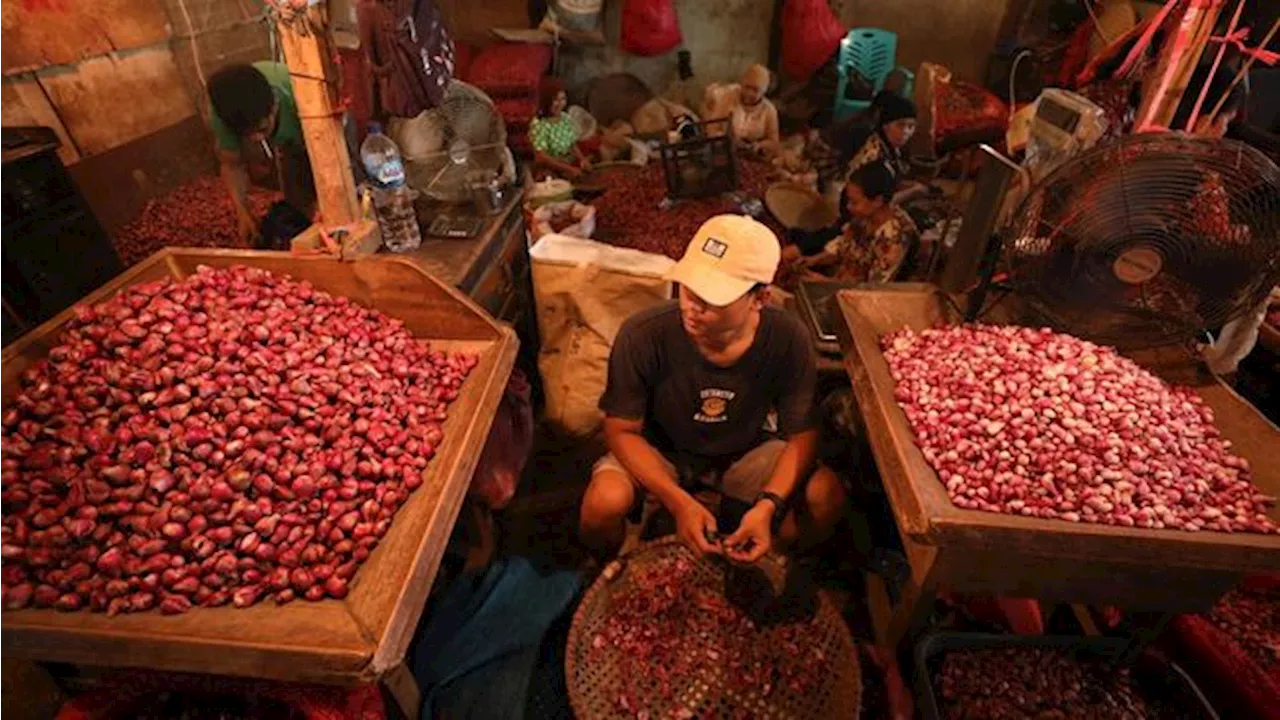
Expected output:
{"points": [[741, 480]]}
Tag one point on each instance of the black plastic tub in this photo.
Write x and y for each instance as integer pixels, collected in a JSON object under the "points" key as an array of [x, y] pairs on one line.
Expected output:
{"points": [[1155, 676]]}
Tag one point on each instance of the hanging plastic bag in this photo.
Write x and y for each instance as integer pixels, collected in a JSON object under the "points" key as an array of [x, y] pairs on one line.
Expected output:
{"points": [[649, 27], [811, 34]]}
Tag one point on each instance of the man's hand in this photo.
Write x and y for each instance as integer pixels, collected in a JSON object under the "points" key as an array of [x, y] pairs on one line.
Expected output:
{"points": [[754, 537], [694, 524]]}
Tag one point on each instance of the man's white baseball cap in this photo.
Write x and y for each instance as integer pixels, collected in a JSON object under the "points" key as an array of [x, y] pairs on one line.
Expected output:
{"points": [[728, 256]]}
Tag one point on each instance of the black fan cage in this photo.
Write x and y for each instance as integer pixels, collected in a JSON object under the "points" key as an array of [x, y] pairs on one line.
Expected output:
{"points": [[1150, 240]]}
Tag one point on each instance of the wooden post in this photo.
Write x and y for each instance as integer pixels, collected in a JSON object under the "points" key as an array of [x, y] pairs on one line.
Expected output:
{"points": [[1179, 57], [307, 55]]}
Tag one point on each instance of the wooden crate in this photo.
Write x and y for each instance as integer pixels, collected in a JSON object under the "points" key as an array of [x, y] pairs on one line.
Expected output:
{"points": [[342, 641], [975, 551]]}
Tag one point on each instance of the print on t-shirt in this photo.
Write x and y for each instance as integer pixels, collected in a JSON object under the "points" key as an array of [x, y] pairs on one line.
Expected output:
{"points": [[713, 406]]}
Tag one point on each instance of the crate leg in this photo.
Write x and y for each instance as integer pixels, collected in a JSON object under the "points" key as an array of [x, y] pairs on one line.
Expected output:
{"points": [[402, 686], [898, 625]]}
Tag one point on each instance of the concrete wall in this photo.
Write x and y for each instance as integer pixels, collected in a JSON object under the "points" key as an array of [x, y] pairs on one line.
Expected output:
{"points": [[122, 83], [725, 36], [959, 34]]}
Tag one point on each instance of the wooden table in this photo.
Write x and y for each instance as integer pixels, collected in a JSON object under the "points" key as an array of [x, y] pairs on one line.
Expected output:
{"points": [[492, 269], [364, 636], [992, 553]]}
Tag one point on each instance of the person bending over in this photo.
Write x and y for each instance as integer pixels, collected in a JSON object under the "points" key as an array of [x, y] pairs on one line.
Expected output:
{"points": [[255, 117], [877, 241], [715, 391]]}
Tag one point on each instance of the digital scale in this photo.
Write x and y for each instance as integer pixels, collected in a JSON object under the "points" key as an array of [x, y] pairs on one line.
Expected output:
{"points": [[456, 227], [817, 304]]}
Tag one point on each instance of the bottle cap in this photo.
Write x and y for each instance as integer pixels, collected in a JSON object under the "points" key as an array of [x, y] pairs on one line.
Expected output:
{"points": [[375, 128]]}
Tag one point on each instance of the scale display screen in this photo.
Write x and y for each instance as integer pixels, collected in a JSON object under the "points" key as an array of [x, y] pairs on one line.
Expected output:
{"points": [[1058, 115]]}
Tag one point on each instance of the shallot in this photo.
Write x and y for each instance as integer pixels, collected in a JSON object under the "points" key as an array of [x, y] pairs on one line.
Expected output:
{"points": [[197, 214], [667, 632], [1251, 617], [629, 213], [1008, 683], [1032, 422], [219, 439]]}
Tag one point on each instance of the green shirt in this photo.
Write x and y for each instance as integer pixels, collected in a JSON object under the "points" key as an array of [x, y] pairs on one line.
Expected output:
{"points": [[288, 125], [554, 136]]}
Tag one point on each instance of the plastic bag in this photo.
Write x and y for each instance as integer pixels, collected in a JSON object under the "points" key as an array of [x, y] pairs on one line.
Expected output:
{"points": [[811, 34], [570, 218], [510, 441], [649, 27]]}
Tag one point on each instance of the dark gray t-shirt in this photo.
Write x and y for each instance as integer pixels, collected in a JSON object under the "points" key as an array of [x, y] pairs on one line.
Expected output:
{"points": [[699, 412]]}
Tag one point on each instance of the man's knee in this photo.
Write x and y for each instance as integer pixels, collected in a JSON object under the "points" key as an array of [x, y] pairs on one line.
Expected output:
{"points": [[608, 499], [825, 496]]}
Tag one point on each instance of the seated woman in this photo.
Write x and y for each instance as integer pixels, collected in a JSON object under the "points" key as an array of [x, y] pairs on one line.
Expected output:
{"points": [[877, 240], [755, 120], [895, 124], [554, 135]]}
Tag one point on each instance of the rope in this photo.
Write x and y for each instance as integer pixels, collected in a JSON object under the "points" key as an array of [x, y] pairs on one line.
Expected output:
{"points": [[1244, 70]]}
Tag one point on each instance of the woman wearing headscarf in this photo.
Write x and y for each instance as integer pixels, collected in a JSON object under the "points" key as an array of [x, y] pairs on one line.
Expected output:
{"points": [[895, 124], [755, 120]]}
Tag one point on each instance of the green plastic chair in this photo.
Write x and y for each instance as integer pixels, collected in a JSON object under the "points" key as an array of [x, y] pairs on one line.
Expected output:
{"points": [[871, 53]]}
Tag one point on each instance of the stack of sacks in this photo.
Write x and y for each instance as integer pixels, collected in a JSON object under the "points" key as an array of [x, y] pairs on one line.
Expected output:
{"points": [[510, 73]]}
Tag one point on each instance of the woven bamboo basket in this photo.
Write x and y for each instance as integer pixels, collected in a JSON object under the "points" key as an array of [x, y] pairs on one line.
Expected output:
{"points": [[598, 676]]}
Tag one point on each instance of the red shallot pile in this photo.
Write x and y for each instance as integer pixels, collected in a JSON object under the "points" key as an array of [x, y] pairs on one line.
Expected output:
{"points": [[628, 213], [666, 630], [221, 439], [1031, 422], [198, 214], [1009, 683], [1251, 618]]}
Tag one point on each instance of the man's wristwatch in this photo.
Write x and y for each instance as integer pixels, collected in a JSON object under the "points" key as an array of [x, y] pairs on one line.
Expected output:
{"points": [[779, 504]]}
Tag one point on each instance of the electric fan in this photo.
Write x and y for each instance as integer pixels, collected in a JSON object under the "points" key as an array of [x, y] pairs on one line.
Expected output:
{"points": [[459, 142], [1149, 240]]}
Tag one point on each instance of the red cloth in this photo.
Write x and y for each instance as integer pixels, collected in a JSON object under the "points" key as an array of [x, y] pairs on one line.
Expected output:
{"points": [[314, 702], [510, 69], [502, 460], [463, 55], [961, 106], [1076, 56], [356, 90], [517, 111], [811, 34], [1219, 662]]}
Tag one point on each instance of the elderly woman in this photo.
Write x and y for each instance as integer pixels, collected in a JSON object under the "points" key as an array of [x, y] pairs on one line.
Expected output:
{"points": [[895, 124], [554, 135], [875, 244], [755, 120]]}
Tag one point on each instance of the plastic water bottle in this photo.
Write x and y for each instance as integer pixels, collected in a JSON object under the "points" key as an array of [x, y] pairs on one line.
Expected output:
{"points": [[381, 158], [397, 217]]}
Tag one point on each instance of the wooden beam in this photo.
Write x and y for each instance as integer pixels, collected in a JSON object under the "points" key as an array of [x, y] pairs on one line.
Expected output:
{"points": [[1179, 56], [307, 52]]}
